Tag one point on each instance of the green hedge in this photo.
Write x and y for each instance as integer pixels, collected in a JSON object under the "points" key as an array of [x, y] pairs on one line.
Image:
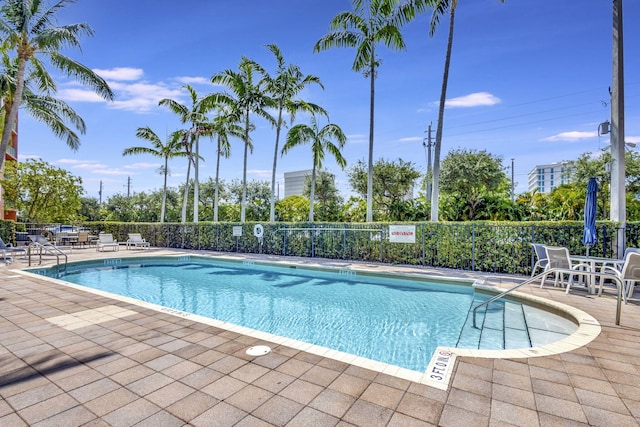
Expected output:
{"points": [[500, 247]]}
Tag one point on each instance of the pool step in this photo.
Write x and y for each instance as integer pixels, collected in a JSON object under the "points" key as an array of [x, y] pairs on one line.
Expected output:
{"points": [[500, 325]]}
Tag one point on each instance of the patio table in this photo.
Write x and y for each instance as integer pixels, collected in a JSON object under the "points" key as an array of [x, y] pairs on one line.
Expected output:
{"points": [[596, 264]]}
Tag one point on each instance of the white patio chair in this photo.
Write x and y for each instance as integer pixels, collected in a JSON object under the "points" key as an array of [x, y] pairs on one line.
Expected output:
{"points": [[558, 257], [106, 240], [135, 240], [629, 274]]}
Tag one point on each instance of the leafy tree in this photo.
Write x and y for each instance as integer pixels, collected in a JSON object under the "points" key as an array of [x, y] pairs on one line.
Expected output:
{"points": [[327, 195], [284, 88], [171, 149], [42, 192], [30, 35], [248, 99], [321, 140], [440, 7], [471, 175], [90, 209], [293, 209], [393, 182], [371, 22], [256, 192]]}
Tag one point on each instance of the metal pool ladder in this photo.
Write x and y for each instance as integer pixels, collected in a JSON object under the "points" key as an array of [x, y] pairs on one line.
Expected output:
{"points": [[50, 249], [602, 276]]}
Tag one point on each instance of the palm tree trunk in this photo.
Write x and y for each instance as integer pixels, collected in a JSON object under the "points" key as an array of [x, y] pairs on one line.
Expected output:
{"points": [[435, 191], [243, 203], [196, 186], [312, 195], [164, 189], [371, 110], [13, 111], [216, 193], [272, 208], [186, 193]]}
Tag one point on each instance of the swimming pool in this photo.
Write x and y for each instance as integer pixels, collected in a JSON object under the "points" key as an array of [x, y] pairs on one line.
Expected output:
{"points": [[396, 320]]}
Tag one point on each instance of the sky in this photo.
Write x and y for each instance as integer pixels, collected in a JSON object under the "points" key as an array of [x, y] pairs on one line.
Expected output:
{"points": [[529, 82]]}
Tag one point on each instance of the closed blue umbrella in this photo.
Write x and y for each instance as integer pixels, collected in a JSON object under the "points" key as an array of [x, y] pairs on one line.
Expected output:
{"points": [[589, 237]]}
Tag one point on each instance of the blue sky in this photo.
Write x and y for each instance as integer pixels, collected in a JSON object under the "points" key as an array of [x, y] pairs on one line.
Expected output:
{"points": [[529, 80]]}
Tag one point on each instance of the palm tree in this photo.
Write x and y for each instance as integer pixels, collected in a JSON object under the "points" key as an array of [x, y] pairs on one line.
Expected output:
{"points": [[196, 117], [284, 87], [377, 21], [440, 7], [321, 141], [224, 125], [29, 30], [173, 148], [248, 98]]}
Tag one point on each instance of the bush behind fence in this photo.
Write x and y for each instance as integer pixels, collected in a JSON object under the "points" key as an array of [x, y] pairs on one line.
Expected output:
{"points": [[477, 246]]}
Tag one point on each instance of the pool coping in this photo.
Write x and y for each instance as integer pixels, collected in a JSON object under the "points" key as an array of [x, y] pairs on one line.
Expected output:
{"points": [[439, 371]]}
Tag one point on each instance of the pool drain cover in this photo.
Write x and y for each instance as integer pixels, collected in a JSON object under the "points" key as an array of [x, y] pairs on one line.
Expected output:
{"points": [[258, 350]]}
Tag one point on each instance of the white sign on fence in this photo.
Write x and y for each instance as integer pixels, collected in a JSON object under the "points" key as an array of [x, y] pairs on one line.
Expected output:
{"points": [[402, 233], [237, 231]]}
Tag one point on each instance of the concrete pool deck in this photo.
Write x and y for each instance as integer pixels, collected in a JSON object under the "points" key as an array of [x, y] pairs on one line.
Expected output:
{"points": [[71, 357]]}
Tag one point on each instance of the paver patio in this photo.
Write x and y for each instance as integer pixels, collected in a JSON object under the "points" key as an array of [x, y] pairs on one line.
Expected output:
{"points": [[70, 357]]}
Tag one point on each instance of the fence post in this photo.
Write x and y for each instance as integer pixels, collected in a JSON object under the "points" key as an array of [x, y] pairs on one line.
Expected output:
{"points": [[344, 241], [424, 249], [473, 247], [284, 240], [313, 241], [380, 243]]}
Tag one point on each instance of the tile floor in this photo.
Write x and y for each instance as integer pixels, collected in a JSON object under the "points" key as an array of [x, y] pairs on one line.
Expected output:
{"points": [[69, 357]]}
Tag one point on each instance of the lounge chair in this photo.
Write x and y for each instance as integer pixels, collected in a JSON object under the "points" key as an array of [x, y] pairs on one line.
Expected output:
{"points": [[629, 274], [541, 255], [9, 250], [558, 257], [106, 240], [135, 240]]}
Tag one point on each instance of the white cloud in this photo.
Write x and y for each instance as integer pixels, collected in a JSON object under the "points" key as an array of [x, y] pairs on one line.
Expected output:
{"points": [[571, 136], [357, 139], [189, 80], [81, 95], [411, 139], [260, 173], [478, 99], [120, 73], [112, 172], [632, 139], [142, 166]]}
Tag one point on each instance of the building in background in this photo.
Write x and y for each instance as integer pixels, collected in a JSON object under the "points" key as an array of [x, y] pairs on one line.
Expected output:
{"points": [[294, 182], [544, 178]]}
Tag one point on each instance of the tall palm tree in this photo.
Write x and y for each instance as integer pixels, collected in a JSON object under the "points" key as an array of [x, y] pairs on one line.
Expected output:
{"points": [[372, 22], [173, 148], [284, 87], [195, 116], [440, 7], [29, 30], [224, 125], [248, 98], [321, 141]]}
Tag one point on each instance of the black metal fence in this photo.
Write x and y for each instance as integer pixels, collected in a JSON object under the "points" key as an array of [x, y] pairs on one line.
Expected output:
{"points": [[477, 246]]}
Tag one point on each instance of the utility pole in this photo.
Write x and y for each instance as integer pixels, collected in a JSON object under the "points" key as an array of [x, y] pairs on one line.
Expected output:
{"points": [[427, 146], [513, 192], [100, 192], [618, 199], [128, 186]]}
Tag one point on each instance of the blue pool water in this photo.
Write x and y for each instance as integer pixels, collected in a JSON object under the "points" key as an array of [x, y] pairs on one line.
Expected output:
{"points": [[392, 320]]}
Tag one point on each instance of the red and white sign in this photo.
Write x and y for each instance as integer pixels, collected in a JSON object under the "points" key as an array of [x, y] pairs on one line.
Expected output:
{"points": [[402, 233]]}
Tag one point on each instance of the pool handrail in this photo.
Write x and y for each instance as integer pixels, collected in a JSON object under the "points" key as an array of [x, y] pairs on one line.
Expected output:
{"points": [[619, 286]]}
